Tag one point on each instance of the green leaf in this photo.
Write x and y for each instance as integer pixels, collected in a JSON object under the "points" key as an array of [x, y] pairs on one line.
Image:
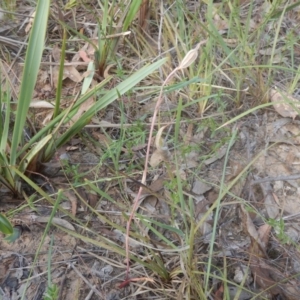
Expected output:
{"points": [[17, 231], [134, 7], [5, 125], [88, 79], [32, 63], [5, 225], [33, 152]]}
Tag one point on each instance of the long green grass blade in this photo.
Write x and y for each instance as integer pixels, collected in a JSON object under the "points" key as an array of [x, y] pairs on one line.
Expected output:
{"points": [[60, 76], [6, 176], [5, 125], [5, 225], [33, 152], [134, 7], [32, 63]]}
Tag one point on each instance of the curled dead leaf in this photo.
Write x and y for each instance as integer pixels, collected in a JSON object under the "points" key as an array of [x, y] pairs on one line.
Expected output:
{"points": [[47, 118], [41, 104], [259, 247], [72, 73], [158, 139], [106, 71], [158, 156], [71, 196]]}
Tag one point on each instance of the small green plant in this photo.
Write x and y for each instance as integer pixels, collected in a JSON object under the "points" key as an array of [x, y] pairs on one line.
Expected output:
{"points": [[72, 170], [52, 290], [279, 229], [106, 46]]}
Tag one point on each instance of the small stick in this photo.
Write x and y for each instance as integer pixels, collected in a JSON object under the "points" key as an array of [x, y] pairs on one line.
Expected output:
{"points": [[279, 178]]}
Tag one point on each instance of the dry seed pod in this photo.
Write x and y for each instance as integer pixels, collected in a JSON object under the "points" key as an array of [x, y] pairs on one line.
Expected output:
{"points": [[190, 57]]}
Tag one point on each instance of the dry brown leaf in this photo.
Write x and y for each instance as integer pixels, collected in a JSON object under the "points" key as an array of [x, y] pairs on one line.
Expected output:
{"points": [[87, 73], [157, 184], [73, 199], [83, 55], [92, 198], [199, 187], [83, 108], [264, 234], [201, 205], [206, 227], [180, 173], [271, 279], [139, 147], [258, 246], [271, 206], [284, 109], [47, 118], [149, 204], [106, 71], [69, 71], [56, 54], [30, 22], [262, 275], [191, 160], [159, 156], [161, 153], [219, 293], [72, 73], [41, 104], [269, 201]]}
